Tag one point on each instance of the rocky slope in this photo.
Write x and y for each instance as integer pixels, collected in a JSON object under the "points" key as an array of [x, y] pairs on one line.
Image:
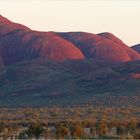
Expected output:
{"points": [[19, 43], [136, 48], [49, 68], [8, 26], [42, 82], [104, 46]]}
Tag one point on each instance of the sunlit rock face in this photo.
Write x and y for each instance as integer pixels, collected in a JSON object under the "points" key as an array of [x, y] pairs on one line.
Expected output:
{"points": [[18, 43], [103, 46], [8, 26]]}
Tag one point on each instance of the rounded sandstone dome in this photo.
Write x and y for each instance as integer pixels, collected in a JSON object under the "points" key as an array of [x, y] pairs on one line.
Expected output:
{"points": [[49, 45], [23, 45], [104, 46]]}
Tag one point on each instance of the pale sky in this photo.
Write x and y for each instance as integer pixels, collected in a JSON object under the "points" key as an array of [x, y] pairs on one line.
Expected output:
{"points": [[120, 17]]}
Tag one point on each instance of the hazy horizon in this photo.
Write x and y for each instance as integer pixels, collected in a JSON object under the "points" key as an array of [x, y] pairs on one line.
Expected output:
{"points": [[117, 17]]}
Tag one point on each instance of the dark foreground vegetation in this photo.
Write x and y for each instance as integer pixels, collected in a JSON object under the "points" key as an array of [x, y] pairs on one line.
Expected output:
{"points": [[70, 122]]}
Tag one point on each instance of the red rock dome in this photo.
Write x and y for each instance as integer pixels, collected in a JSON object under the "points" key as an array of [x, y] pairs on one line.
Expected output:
{"points": [[104, 46], [8, 26]]}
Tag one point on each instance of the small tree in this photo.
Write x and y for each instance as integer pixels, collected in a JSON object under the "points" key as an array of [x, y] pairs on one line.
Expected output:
{"points": [[102, 127], [1, 127], [62, 131], [35, 130], [77, 131], [132, 125]]}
